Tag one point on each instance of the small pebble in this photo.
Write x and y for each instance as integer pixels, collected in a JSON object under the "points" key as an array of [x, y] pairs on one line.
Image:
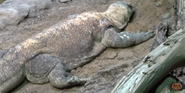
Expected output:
{"points": [[166, 16], [157, 4], [26, 27]]}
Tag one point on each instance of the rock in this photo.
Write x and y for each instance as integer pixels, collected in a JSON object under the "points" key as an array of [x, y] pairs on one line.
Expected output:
{"points": [[166, 16], [12, 12], [157, 4], [26, 27]]}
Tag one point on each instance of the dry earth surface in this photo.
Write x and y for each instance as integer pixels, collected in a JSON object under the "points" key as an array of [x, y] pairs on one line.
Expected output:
{"points": [[106, 69]]}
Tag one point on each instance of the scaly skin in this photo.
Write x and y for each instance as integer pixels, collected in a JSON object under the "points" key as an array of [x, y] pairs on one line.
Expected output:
{"points": [[69, 44]]}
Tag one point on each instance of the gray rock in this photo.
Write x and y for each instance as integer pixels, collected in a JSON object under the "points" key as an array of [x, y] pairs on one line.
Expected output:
{"points": [[166, 16], [157, 4], [14, 11], [26, 27]]}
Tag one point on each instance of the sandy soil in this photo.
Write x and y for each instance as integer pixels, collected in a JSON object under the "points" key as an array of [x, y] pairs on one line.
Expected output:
{"points": [[105, 70]]}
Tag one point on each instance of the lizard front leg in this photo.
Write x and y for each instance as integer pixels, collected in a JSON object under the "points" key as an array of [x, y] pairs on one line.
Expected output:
{"points": [[124, 39]]}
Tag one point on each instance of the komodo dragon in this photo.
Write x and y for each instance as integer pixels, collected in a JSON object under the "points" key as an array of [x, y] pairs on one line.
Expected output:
{"points": [[69, 44]]}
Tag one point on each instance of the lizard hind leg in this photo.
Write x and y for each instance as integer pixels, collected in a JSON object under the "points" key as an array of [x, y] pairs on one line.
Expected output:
{"points": [[38, 68], [59, 78]]}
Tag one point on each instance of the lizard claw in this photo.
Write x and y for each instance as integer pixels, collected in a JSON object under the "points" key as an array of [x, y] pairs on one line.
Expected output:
{"points": [[150, 33]]}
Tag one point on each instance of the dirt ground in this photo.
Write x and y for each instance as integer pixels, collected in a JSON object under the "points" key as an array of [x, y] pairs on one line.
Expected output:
{"points": [[106, 69]]}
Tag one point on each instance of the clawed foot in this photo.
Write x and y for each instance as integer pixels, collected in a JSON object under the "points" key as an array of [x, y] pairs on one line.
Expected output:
{"points": [[76, 81], [150, 33]]}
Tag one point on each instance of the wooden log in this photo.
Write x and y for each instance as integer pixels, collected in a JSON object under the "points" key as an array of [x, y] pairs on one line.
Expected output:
{"points": [[155, 66]]}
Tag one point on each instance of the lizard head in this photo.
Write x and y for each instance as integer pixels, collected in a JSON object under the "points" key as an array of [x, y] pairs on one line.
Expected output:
{"points": [[119, 14]]}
